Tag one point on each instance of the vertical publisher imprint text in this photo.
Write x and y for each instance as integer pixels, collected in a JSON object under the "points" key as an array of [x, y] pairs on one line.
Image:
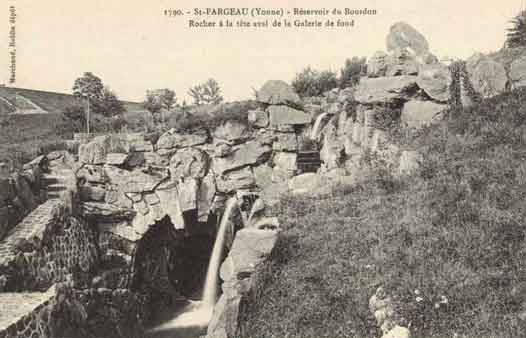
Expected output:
{"points": [[12, 44]]}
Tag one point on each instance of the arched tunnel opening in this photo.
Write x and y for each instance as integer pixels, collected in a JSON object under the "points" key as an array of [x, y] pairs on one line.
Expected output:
{"points": [[170, 263]]}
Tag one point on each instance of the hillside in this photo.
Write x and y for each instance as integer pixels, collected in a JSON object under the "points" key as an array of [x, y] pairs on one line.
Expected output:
{"points": [[50, 102], [33, 120], [446, 243]]}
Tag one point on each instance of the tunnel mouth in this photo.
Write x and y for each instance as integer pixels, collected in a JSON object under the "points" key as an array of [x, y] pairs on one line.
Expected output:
{"points": [[169, 266]]}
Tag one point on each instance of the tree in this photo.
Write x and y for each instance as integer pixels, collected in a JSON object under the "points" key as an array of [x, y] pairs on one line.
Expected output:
{"points": [[110, 105], [208, 92], [102, 100], [159, 99], [516, 36], [310, 82], [89, 86], [353, 70], [75, 118]]}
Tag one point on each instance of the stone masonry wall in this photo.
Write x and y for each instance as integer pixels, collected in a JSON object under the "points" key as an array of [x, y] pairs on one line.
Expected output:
{"points": [[45, 247]]}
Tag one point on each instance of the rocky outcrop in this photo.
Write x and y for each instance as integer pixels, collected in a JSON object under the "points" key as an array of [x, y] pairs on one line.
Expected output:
{"points": [[283, 115], [488, 78], [435, 80], [404, 36], [250, 250], [232, 132], [385, 89], [402, 62], [258, 118], [377, 64], [277, 92], [174, 140]]}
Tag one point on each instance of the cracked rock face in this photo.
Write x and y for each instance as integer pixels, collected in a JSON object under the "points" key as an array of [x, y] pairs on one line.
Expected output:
{"points": [[189, 163]]}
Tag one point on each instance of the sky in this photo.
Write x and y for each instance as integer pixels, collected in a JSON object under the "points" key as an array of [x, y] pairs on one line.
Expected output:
{"points": [[133, 47]]}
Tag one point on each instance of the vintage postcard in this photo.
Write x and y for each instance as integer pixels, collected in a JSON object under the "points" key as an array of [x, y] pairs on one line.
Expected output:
{"points": [[263, 169]]}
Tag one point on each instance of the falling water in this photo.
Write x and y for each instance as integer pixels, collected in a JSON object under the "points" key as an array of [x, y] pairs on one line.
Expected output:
{"points": [[317, 126], [212, 275], [192, 318]]}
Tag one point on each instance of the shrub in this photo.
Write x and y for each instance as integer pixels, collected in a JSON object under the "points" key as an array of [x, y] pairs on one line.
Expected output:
{"points": [[208, 92], [352, 72], [311, 82], [516, 36]]}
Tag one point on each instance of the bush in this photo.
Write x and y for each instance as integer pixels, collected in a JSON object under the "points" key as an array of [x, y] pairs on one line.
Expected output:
{"points": [[352, 72], [516, 36], [211, 116], [311, 82]]}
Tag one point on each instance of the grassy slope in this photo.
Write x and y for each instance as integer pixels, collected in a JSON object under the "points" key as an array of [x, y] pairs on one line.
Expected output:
{"points": [[52, 102], [455, 230], [22, 135]]}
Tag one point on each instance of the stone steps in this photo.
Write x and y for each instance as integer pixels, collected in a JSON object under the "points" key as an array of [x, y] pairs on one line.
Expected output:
{"points": [[58, 181]]}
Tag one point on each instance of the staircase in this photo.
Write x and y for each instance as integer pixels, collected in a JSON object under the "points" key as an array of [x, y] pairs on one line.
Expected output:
{"points": [[308, 161], [57, 181]]}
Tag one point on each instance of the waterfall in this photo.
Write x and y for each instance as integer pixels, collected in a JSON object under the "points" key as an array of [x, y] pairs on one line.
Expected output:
{"points": [[212, 275], [317, 126], [196, 315]]}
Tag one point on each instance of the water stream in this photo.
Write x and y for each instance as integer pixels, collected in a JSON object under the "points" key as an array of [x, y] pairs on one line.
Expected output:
{"points": [[190, 320], [212, 275], [317, 126]]}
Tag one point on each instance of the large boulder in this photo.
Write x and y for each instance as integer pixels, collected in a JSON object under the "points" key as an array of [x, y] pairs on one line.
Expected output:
{"points": [[169, 202], [188, 190], [305, 183], [285, 142], [258, 118], [489, 78], [283, 115], [403, 35], [172, 139], [332, 151], [232, 132], [402, 62], [285, 166], [95, 152], [277, 92], [205, 197], [131, 181], [385, 89], [105, 212], [92, 153], [236, 180], [250, 153], [377, 64], [434, 80], [419, 113], [189, 162], [250, 249], [518, 72]]}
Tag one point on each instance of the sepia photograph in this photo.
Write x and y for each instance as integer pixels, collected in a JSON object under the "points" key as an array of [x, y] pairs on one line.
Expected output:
{"points": [[263, 169]]}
